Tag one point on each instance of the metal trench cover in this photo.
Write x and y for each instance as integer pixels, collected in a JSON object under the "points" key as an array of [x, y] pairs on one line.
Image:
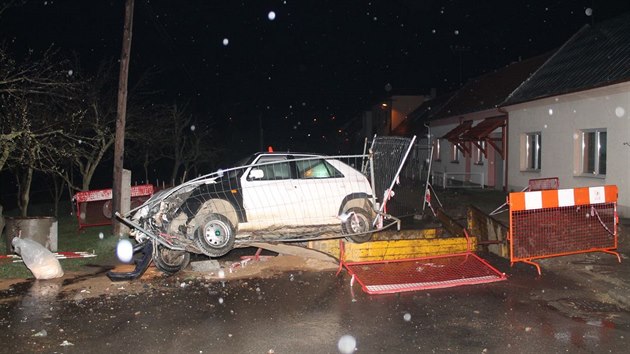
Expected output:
{"points": [[383, 277]]}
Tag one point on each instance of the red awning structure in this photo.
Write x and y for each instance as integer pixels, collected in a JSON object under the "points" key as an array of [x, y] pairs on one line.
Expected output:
{"points": [[454, 136], [465, 133]]}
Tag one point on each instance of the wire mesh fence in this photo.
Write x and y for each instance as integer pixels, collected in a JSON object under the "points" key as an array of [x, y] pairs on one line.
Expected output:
{"points": [[410, 185], [556, 231], [276, 197]]}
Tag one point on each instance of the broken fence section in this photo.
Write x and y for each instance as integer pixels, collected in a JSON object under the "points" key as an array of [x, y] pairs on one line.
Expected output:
{"points": [[449, 270], [552, 223]]}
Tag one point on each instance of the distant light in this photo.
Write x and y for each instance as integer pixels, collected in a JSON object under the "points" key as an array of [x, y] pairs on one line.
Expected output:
{"points": [[226, 41], [384, 105], [271, 15]]}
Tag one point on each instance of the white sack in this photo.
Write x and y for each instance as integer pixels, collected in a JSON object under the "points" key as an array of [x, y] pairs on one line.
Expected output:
{"points": [[39, 260]]}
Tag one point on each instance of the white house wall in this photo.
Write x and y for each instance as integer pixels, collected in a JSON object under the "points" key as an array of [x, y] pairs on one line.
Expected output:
{"points": [[559, 120]]}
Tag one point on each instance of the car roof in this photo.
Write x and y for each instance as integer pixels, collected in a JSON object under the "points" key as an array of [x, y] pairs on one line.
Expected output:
{"points": [[281, 153]]}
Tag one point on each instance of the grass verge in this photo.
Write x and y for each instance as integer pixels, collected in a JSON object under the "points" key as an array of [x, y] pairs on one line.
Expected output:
{"points": [[69, 239]]}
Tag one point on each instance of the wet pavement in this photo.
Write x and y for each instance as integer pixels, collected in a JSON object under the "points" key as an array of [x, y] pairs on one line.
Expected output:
{"points": [[319, 312]]}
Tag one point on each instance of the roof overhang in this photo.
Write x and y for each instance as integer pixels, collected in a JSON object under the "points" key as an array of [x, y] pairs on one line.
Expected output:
{"points": [[465, 134]]}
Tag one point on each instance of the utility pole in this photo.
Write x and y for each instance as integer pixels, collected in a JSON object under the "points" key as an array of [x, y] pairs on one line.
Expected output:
{"points": [[119, 144]]}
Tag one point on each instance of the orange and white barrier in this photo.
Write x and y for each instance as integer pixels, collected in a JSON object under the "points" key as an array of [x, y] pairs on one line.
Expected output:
{"points": [[562, 197], [551, 223]]}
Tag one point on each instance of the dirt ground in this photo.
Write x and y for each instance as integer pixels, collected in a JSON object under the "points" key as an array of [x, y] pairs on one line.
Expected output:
{"points": [[93, 282]]}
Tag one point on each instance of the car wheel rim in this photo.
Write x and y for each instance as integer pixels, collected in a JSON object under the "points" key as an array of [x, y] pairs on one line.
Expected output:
{"points": [[216, 234], [358, 223]]}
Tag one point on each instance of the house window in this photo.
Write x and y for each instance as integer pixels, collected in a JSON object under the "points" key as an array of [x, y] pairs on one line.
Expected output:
{"points": [[481, 146], [594, 152], [531, 151], [454, 153], [436, 150]]}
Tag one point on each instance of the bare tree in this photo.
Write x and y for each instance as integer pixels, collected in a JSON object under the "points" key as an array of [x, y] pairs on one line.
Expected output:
{"points": [[34, 115], [175, 135], [90, 141]]}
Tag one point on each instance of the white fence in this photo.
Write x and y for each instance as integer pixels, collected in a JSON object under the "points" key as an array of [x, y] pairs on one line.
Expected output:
{"points": [[458, 179]]}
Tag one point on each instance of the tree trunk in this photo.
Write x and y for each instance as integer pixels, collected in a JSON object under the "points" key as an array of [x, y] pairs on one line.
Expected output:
{"points": [[24, 196], [58, 184], [176, 166], [4, 157]]}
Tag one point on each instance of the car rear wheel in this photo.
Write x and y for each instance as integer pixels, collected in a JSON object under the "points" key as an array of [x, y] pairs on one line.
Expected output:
{"points": [[215, 237], [357, 225], [170, 261]]}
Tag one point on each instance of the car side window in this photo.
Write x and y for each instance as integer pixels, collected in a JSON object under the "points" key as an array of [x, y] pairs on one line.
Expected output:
{"points": [[310, 169], [273, 168]]}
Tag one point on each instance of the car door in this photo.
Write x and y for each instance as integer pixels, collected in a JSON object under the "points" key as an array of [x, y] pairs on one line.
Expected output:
{"points": [[269, 193]]}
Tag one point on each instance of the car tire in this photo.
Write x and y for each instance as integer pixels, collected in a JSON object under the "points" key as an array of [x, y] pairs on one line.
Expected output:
{"points": [[215, 237], [357, 226], [170, 261]]}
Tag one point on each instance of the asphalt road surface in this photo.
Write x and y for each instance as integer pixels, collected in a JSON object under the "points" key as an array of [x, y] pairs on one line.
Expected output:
{"points": [[312, 312]]}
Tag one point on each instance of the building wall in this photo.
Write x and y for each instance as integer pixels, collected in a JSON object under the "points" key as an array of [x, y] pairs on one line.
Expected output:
{"points": [[560, 120], [467, 163], [402, 106]]}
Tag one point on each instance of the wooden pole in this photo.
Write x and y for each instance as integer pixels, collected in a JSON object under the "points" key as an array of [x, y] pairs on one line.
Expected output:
{"points": [[119, 145]]}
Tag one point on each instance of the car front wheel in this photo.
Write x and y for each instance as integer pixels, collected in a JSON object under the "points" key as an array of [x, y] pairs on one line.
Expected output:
{"points": [[357, 226], [215, 237], [170, 261]]}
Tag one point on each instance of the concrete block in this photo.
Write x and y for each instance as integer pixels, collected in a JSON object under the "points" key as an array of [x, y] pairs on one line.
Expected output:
{"points": [[208, 266]]}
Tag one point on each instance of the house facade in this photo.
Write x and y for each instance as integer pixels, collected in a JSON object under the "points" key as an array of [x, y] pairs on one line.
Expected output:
{"points": [[571, 119], [469, 130]]}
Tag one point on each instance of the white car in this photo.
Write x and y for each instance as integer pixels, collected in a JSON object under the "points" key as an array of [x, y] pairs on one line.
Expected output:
{"points": [[266, 197]]}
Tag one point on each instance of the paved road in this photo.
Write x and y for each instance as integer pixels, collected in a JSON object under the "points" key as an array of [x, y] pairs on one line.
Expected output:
{"points": [[316, 312]]}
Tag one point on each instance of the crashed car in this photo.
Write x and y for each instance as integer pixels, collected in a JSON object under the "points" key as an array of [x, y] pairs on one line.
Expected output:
{"points": [[267, 197]]}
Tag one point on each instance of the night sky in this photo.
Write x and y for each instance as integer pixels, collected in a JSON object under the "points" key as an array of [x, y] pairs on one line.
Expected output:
{"points": [[301, 66]]}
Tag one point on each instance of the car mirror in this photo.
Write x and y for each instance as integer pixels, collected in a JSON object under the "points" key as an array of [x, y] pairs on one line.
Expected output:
{"points": [[256, 173]]}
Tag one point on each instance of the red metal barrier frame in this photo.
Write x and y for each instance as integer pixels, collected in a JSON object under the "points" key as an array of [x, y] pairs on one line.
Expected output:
{"points": [[106, 194], [441, 271], [552, 223]]}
